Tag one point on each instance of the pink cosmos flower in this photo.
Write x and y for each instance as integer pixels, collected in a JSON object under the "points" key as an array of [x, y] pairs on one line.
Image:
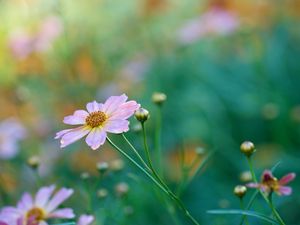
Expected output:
{"points": [[269, 183], [11, 132], [36, 211], [98, 120], [214, 21], [85, 220]]}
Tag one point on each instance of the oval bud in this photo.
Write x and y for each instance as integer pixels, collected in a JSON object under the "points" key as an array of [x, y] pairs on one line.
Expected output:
{"points": [[248, 148], [240, 191], [142, 115]]}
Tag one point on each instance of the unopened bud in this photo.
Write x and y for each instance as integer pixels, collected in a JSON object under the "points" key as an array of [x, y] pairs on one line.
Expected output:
{"points": [[142, 115], [85, 175], [102, 193], [117, 165], [159, 98], [240, 191], [33, 162], [246, 176], [102, 167], [248, 148], [121, 189]]}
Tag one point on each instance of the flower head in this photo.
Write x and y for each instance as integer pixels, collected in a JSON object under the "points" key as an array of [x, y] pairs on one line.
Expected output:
{"points": [[35, 211], [98, 120], [269, 183], [11, 132], [85, 219]]}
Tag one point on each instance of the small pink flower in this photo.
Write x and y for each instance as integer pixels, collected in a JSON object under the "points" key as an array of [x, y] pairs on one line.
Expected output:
{"points": [[98, 120], [269, 183], [11, 132], [85, 220], [36, 211]]}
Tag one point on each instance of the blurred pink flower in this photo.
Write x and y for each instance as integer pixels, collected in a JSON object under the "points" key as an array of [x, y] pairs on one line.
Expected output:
{"points": [[36, 211], [22, 43], [269, 183], [11, 132], [98, 120], [85, 220], [214, 21]]}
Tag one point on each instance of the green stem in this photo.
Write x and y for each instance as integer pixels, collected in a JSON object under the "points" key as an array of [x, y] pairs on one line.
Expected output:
{"points": [[275, 213], [249, 205], [242, 208], [158, 139], [157, 183]]}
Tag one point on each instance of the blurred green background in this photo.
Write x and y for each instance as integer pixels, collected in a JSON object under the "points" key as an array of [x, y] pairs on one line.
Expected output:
{"points": [[230, 69]]}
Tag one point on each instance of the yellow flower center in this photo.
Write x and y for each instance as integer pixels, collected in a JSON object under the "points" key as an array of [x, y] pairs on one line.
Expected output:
{"points": [[35, 214], [96, 119], [272, 183]]}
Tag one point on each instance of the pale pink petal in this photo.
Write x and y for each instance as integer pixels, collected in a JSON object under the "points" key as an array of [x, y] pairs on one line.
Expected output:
{"points": [[77, 118], [125, 111], [113, 103], [73, 135], [58, 198], [287, 178], [283, 190], [85, 220], [43, 195], [66, 213], [26, 202], [96, 138], [43, 223], [253, 185], [62, 133], [116, 126], [92, 107]]}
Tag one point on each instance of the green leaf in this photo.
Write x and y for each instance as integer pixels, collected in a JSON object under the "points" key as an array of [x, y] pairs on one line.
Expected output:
{"points": [[243, 212]]}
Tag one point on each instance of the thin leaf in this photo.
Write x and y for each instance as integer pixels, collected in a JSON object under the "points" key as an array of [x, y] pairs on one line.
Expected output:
{"points": [[275, 166], [243, 212]]}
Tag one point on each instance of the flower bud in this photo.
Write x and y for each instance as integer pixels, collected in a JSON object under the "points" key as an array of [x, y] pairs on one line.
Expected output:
{"points": [[159, 98], [142, 115], [246, 176], [102, 167], [85, 175], [102, 193], [248, 148], [121, 189], [117, 165], [240, 191], [33, 162]]}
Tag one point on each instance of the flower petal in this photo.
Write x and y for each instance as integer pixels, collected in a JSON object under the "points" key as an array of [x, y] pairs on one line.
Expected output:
{"points": [[287, 178], [85, 220], [77, 118], [58, 198], [62, 133], [96, 138], [73, 135], [94, 107], [113, 103], [125, 111], [43, 195], [26, 202], [284, 190], [116, 126], [65, 213]]}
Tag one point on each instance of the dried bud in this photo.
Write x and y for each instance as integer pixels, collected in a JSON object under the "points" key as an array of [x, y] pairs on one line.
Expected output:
{"points": [[121, 189], [102, 193], [33, 162], [142, 115], [85, 175], [102, 167], [159, 98], [248, 148], [117, 165], [240, 191]]}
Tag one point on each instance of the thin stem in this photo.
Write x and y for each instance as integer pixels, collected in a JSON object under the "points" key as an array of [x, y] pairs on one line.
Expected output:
{"points": [[242, 208], [249, 205], [157, 183], [136, 152], [158, 139], [276, 214]]}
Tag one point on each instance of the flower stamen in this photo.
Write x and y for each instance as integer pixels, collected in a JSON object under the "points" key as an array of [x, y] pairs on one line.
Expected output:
{"points": [[35, 214], [96, 119]]}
